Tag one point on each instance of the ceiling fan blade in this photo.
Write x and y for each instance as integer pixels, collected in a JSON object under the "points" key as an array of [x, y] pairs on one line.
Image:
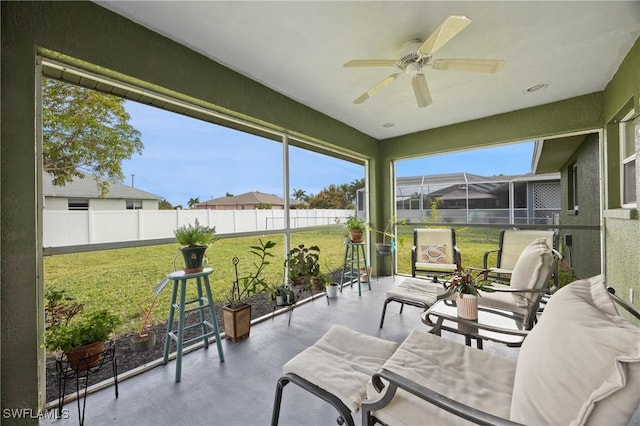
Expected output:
{"points": [[490, 66], [370, 63], [369, 93], [421, 90], [445, 32]]}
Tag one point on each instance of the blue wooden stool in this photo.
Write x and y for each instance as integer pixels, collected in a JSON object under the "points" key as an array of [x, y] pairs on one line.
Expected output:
{"points": [[204, 303], [353, 259]]}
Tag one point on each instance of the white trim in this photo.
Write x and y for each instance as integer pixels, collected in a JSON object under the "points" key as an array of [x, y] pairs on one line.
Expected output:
{"points": [[628, 120]]}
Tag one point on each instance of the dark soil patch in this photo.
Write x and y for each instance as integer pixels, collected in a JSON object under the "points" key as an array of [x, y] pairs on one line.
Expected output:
{"points": [[127, 359]]}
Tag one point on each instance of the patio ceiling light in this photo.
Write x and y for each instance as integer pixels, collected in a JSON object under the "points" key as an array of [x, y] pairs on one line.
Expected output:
{"points": [[536, 87]]}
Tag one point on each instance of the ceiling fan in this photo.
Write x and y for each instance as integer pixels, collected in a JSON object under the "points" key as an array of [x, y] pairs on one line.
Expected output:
{"points": [[417, 54]]}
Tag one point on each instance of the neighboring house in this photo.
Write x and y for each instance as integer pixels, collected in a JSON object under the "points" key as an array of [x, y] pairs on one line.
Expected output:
{"points": [[247, 201], [84, 193]]}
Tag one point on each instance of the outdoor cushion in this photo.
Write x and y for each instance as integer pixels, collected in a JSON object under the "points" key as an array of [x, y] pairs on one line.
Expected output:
{"points": [[515, 241], [417, 289], [480, 379], [342, 362], [433, 253], [532, 270], [580, 364], [500, 300]]}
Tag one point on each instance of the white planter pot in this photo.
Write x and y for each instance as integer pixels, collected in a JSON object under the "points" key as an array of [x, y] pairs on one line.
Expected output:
{"points": [[332, 291], [467, 306]]}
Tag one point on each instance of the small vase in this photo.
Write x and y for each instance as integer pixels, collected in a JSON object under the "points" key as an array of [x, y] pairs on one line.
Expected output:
{"points": [[467, 306]]}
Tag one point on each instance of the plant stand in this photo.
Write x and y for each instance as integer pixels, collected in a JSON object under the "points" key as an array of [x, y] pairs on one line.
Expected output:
{"points": [[204, 304], [354, 258], [64, 372]]}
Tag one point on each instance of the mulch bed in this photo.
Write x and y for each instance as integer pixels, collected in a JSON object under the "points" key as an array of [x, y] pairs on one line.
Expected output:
{"points": [[128, 360]]}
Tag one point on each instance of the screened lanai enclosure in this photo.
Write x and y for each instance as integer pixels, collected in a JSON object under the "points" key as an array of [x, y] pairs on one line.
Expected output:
{"points": [[467, 198]]}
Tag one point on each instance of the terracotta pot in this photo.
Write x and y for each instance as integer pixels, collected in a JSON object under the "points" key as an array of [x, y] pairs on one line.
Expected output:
{"points": [[467, 306], [237, 322], [356, 235], [84, 357]]}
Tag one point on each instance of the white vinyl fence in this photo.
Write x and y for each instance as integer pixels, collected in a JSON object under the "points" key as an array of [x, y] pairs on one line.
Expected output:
{"points": [[66, 228]]}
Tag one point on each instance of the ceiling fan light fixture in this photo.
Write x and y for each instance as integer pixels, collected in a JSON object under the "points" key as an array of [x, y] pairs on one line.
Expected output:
{"points": [[413, 69]]}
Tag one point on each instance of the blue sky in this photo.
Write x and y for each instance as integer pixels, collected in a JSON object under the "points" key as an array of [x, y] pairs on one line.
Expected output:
{"points": [[186, 158]]}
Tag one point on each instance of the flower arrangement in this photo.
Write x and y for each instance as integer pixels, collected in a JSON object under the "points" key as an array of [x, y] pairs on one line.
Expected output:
{"points": [[465, 283]]}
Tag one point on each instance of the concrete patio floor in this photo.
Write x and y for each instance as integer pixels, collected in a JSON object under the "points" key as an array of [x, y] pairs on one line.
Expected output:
{"points": [[240, 391]]}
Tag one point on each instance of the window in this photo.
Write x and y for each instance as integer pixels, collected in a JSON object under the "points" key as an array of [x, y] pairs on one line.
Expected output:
{"points": [[134, 204], [629, 134], [78, 204], [572, 198]]}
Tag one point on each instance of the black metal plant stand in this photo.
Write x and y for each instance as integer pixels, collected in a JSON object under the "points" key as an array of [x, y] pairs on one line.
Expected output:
{"points": [[64, 372]]}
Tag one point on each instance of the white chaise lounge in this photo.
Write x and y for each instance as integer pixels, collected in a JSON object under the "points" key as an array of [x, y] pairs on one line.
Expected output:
{"points": [[579, 365]]}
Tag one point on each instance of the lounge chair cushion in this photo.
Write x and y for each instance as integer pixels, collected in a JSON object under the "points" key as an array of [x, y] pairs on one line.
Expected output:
{"points": [[417, 290], [466, 374], [578, 371], [502, 301], [342, 362], [532, 270]]}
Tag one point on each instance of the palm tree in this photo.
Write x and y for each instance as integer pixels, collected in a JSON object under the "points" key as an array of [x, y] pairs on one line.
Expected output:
{"points": [[300, 195], [193, 201]]}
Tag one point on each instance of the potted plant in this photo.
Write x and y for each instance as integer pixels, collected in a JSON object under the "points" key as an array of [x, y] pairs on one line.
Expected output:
{"points": [[388, 244], [145, 338], [356, 227], [79, 336], [236, 313], [331, 286], [194, 240], [467, 289], [303, 265]]}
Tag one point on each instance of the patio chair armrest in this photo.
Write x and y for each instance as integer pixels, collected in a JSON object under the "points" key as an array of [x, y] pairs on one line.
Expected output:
{"points": [[485, 258], [507, 289], [459, 409], [414, 258], [457, 256], [625, 305]]}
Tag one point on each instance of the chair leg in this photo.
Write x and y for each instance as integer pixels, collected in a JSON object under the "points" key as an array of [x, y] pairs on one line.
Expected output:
{"points": [[384, 311], [275, 416], [343, 411]]}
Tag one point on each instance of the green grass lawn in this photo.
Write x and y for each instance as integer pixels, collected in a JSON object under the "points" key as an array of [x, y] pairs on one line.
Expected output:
{"points": [[121, 279]]}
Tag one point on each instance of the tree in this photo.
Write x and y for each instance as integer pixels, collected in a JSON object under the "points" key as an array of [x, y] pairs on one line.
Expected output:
{"points": [[300, 195], [352, 190], [164, 205], [332, 197], [193, 201], [85, 131]]}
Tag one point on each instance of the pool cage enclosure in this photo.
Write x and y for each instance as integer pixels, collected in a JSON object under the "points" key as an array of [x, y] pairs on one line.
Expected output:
{"points": [[466, 198]]}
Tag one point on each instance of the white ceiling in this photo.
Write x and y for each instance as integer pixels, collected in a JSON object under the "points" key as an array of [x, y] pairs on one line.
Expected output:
{"points": [[299, 48]]}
